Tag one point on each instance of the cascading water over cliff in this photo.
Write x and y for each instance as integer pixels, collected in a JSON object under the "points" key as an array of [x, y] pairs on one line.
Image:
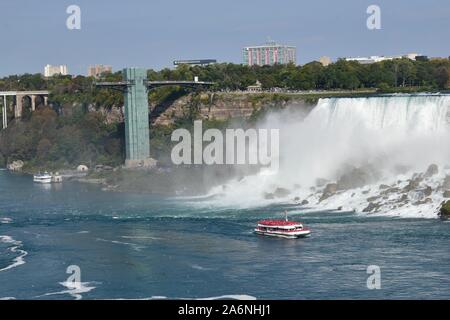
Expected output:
{"points": [[365, 154]]}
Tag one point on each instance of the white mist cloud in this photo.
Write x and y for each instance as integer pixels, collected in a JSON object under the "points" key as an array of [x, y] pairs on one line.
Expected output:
{"points": [[385, 132]]}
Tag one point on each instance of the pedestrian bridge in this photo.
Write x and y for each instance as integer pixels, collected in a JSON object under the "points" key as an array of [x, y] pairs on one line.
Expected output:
{"points": [[17, 102]]}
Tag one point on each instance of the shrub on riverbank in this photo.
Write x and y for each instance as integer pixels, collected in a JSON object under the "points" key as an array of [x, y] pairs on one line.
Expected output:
{"points": [[52, 142], [47, 140], [445, 210]]}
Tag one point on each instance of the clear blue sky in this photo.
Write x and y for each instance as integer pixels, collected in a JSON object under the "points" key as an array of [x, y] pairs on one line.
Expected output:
{"points": [[152, 33]]}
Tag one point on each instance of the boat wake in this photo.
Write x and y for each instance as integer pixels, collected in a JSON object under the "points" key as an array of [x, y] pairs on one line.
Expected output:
{"points": [[133, 245], [14, 246], [74, 289], [199, 267]]}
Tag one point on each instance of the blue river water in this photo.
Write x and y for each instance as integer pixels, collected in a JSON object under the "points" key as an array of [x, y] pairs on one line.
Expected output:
{"points": [[135, 246]]}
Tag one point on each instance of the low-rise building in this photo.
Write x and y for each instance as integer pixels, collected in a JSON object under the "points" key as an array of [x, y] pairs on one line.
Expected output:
{"points": [[82, 168], [257, 87], [199, 62], [375, 59]]}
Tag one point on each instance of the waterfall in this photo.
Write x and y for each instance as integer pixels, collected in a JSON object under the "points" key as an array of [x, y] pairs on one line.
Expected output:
{"points": [[421, 113], [396, 136]]}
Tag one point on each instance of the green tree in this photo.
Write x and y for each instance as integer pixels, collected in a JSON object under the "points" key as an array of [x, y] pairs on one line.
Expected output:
{"points": [[442, 77]]}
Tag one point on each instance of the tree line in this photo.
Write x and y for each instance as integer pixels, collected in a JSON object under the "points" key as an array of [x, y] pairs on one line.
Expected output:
{"points": [[74, 131], [350, 75]]}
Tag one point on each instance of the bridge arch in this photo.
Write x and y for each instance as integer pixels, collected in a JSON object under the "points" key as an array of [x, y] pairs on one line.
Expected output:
{"points": [[22, 101], [40, 101], [27, 106]]}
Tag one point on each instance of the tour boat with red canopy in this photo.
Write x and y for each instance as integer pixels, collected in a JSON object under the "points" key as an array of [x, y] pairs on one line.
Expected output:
{"points": [[282, 228]]}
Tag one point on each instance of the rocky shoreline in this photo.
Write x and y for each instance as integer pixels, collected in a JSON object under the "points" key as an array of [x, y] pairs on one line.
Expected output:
{"points": [[358, 189], [365, 190]]}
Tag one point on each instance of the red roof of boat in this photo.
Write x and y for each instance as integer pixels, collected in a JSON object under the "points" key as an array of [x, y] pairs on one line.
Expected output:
{"points": [[270, 222]]}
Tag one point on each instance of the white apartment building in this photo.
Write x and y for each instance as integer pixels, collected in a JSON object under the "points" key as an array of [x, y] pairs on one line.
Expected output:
{"points": [[50, 71]]}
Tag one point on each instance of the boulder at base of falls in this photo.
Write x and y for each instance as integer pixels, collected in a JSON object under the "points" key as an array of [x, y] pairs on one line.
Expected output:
{"points": [[413, 184], [372, 199], [329, 190], [357, 177], [428, 191], [16, 165], [424, 201], [445, 210], [372, 207], [447, 194], [403, 198], [432, 170], [278, 193], [389, 191]]}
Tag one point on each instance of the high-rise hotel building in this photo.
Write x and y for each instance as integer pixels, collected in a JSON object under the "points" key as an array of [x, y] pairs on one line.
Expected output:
{"points": [[269, 54]]}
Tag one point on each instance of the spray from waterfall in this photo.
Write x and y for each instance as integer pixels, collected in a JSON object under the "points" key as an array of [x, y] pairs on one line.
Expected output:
{"points": [[386, 138]]}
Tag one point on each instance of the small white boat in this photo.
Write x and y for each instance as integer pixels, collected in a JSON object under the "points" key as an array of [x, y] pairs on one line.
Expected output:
{"points": [[42, 178]]}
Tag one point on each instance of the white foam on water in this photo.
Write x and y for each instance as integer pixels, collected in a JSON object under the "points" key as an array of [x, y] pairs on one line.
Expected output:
{"points": [[15, 248], [5, 220], [199, 267], [412, 131], [141, 237], [74, 289], [134, 245]]}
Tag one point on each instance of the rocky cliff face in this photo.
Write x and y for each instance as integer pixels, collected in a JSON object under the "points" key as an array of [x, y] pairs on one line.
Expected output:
{"points": [[112, 115], [16, 165], [224, 106], [208, 106]]}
